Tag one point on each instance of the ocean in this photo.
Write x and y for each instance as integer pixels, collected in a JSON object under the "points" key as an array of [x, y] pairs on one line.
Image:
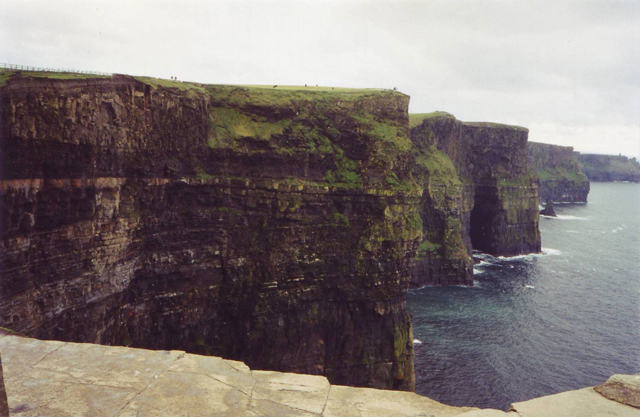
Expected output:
{"points": [[539, 324]]}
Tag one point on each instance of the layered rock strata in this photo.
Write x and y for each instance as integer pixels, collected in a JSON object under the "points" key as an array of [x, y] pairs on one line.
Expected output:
{"points": [[272, 226], [609, 167], [559, 175], [478, 193]]}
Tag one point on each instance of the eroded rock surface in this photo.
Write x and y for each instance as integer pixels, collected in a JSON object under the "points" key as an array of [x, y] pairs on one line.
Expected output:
{"points": [[624, 389]]}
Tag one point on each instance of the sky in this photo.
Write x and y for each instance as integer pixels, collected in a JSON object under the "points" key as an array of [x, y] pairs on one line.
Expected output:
{"points": [[567, 70]]}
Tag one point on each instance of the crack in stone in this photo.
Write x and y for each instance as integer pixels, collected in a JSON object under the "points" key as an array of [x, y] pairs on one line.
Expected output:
{"points": [[80, 383], [326, 401], [153, 379], [293, 408], [215, 379], [48, 354]]}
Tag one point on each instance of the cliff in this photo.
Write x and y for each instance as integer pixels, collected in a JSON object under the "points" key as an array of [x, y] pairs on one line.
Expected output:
{"points": [[559, 175], [478, 194], [275, 226], [609, 167]]}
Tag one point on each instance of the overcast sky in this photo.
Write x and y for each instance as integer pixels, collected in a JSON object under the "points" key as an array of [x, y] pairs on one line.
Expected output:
{"points": [[567, 70]]}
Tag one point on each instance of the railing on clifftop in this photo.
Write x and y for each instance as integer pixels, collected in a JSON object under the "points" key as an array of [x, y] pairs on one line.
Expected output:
{"points": [[41, 69]]}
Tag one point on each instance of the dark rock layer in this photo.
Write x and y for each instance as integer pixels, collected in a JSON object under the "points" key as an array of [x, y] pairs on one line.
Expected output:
{"points": [[273, 227], [559, 175]]}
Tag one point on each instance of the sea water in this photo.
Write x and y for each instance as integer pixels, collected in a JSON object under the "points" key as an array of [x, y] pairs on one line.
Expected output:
{"points": [[539, 324]]}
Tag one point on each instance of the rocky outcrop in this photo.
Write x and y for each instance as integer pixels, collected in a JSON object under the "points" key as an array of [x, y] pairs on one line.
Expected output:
{"points": [[624, 389], [559, 175], [478, 193], [271, 226], [609, 167], [548, 209]]}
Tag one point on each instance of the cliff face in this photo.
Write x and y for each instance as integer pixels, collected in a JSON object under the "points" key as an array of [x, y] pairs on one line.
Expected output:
{"points": [[559, 175], [479, 193], [609, 167], [276, 227]]}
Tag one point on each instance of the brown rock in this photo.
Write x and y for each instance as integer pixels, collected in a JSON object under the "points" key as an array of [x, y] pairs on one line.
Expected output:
{"points": [[624, 389]]}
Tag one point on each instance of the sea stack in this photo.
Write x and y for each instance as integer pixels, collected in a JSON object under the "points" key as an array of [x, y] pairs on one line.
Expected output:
{"points": [[548, 209]]}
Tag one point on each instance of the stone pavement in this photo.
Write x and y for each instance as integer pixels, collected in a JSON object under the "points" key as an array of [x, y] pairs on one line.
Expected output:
{"points": [[48, 378]]}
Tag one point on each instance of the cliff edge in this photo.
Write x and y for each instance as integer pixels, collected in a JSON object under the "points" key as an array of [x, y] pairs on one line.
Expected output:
{"points": [[48, 378]]}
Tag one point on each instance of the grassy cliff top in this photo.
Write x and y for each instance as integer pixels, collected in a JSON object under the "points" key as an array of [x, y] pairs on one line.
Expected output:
{"points": [[6, 74], [416, 118], [279, 91], [495, 125]]}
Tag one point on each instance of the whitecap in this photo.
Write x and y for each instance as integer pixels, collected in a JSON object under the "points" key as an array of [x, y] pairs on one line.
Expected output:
{"points": [[572, 231], [529, 286], [416, 342], [477, 271], [569, 217], [549, 251]]}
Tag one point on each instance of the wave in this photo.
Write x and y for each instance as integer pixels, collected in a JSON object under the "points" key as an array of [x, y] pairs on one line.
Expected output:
{"points": [[417, 342], [568, 217], [529, 286], [544, 252]]}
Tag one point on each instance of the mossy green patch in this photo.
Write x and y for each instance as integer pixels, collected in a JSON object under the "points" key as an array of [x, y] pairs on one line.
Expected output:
{"points": [[228, 124], [436, 166], [416, 118]]}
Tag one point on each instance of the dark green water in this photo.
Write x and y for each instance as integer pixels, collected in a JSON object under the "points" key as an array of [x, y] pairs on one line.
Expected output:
{"points": [[539, 324]]}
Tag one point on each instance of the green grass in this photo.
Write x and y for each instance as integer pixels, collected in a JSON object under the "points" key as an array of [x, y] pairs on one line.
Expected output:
{"points": [[229, 124], [559, 173], [416, 118], [161, 82], [6, 74], [438, 166], [237, 95], [311, 88]]}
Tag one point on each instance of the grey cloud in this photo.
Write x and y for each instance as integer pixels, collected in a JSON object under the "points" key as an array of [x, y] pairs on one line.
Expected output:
{"points": [[569, 64]]}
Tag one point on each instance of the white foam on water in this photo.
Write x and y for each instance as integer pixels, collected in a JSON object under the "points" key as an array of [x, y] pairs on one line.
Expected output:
{"points": [[477, 271], [417, 342], [529, 286], [549, 251], [572, 231], [568, 217], [544, 252]]}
